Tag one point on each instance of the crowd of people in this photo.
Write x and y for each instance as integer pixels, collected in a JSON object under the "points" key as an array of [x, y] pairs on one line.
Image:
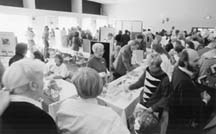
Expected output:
{"points": [[178, 86]]}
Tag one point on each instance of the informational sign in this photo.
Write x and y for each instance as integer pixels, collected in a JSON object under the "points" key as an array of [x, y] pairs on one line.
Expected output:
{"points": [[104, 31], [7, 44]]}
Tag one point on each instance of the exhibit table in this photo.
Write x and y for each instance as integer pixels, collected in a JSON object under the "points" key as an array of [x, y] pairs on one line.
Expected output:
{"points": [[114, 94], [117, 96]]}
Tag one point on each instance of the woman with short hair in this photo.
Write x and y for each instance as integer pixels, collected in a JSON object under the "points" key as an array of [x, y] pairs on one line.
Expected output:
{"points": [[58, 70], [84, 115]]}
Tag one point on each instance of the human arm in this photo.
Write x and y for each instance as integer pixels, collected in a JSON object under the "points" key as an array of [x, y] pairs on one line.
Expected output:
{"points": [[139, 83], [126, 59], [164, 90]]}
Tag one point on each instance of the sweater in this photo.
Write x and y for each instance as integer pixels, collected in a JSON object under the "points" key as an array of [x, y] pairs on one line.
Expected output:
{"points": [[26, 118], [156, 89]]}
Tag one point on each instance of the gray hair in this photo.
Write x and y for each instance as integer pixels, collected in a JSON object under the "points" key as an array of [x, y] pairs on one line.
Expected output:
{"points": [[133, 43], [97, 46], [88, 83], [22, 72]]}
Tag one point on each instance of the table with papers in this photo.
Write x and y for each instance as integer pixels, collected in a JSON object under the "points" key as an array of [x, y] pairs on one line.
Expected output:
{"points": [[114, 95], [117, 97]]}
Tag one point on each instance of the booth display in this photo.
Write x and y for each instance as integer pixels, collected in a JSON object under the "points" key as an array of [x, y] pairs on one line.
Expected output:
{"points": [[7, 44]]}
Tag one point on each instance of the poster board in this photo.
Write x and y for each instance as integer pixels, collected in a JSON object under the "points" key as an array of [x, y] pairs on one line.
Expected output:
{"points": [[7, 44], [104, 31]]}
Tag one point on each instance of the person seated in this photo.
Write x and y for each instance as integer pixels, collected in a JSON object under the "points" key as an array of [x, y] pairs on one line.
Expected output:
{"points": [[97, 62], [24, 114], [122, 63], [58, 70], [38, 55], [155, 94], [84, 115], [20, 52]]}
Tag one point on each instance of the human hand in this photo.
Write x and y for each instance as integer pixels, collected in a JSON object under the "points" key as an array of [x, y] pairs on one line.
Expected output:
{"points": [[205, 97]]}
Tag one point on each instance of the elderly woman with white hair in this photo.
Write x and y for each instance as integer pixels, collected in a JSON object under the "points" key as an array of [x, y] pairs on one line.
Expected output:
{"points": [[97, 62], [24, 114], [84, 115]]}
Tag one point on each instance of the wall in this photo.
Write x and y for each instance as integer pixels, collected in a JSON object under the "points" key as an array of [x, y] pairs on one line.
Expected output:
{"points": [[183, 14], [91, 7], [14, 3], [58, 5]]}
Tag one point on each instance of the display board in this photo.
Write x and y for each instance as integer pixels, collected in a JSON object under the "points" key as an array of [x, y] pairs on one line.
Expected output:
{"points": [[7, 44], [104, 31], [107, 55]]}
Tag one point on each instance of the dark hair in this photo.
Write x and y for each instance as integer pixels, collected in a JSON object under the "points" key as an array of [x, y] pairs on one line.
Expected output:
{"points": [[38, 55], [21, 48], [178, 48], [159, 49], [60, 58], [190, 44], [139, 36], [184, 57]]}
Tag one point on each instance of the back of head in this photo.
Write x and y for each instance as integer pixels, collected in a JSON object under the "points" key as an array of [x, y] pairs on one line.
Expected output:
{"points": [[88, 83], [212, 45], [21, 49], [22, 72], [38, 55], [139, 36], [178, 46]]}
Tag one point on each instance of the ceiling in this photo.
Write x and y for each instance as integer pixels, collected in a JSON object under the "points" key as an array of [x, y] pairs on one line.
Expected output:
{"points": [[109, 1]]}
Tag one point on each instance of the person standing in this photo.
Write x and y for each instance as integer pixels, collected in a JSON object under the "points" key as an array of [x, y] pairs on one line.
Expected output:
{"points": [[125, 38], [187, 99], [45, 38], [122, 63], [118, 38]]}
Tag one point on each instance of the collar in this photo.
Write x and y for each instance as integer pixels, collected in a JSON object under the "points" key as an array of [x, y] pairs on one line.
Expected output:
{"points": [[90, 101], [19, 98], [186, 71]]}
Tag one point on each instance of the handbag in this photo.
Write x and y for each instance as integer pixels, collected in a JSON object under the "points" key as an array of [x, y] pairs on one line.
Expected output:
{"points": [[145, 121]]}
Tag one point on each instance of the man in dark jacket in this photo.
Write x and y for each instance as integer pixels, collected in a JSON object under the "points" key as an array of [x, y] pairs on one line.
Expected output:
{"points": [[24, 114], [21, 50], [187, 99], [125, 38], [118, 38]]}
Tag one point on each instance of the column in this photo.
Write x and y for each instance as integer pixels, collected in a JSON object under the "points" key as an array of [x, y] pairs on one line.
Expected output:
{"points": [[29, 4], [76, 6]]}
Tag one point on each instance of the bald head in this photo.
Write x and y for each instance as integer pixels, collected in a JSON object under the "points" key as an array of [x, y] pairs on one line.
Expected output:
{"points": [[189, 59]]}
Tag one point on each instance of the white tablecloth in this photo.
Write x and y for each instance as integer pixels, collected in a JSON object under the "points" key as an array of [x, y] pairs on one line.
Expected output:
{"points": [[120, 101]]}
